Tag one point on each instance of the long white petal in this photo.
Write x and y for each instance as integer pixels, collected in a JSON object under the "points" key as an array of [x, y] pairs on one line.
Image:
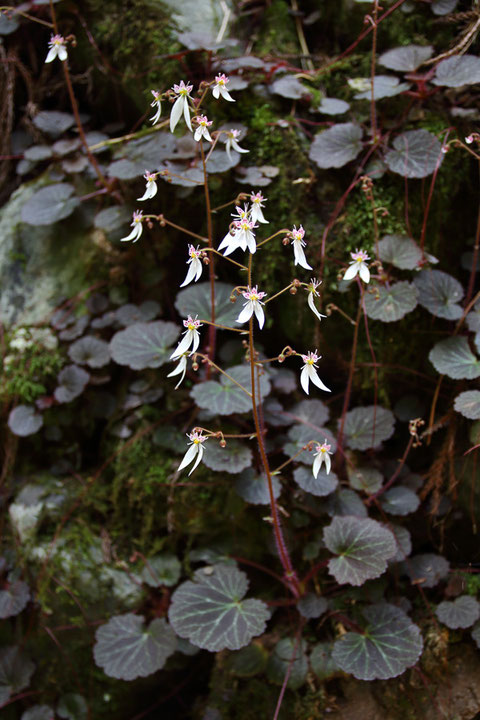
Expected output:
{"points": [[62, 53], [198, 134], [351, 272], [176, 113], [154, 120], [146, 195], [186, 114], [216, 92], [188, 457], [52, 54], [364, 273], [250, 240], [312, 307], [300, 258], [182, 346], [237, 147], [198, 268], [207, 135], [246, 313], [180, 367], [196, 340], [190, 275], [260, 315], [316, 380], [226, 95], [134, 235], [304, 378], [317, 464], [328, 463], [201, 450]]}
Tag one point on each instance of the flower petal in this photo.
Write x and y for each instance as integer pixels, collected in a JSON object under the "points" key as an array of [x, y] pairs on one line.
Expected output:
{"points": [[246, 313], [316, 380], [304, 378], [176, 113], [351, 272], [188, 457], [317, 464], [312, 307], [183, 345], [364, 273], [260, 315], [52, 54], [190, 275]]}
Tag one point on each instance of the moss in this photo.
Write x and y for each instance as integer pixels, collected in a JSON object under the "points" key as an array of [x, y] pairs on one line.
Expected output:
{"points": [[277, 34], [28, 375]]}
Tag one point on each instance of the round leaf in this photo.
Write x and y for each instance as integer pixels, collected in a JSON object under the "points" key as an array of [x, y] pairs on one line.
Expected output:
{"points": [[454, 358], [367, 479], [13, 598], [248, 661], [336, 146], [439, 293], [407, 58], [313, 413], [129, 314], [400, 501], [90, 351], [211, 613], [53, 122], [367, 427], [8, 24], [390, 645], [321, 661], [195, 300], [112, 218], [15, 672], [226, 397], [125, 649], [72, 381], [417, 154], [72, 706], [50, 204], [468, 404], [232, 459], [38, 712], [345, 502], [443, 7], [362, 546], [312, 606], [23, 420], [280, 662], [463, 612], [403, 540], [400, 251], [162, 570], [320, 486], [427, 570], [144, 345], [390, 304], [290, 87], [457, 71], [383, 86], [333, 106], [253, 488]]}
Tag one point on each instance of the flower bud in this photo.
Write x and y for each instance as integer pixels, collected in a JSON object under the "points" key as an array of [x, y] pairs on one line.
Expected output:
{"points": [[293, 291], [223, 443], [195, 366]]}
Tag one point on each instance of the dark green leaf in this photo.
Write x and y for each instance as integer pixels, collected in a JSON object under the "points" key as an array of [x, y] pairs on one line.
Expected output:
{"points": [[336, 146], [463, 612], [367, 479], [13, 598], [392, 303], [321, 661], [126, 649], [416, 154], [312, 606], [383, 86], [15, 672], [400, 501], [211, 612], [50, 204], [362, 546], [454, 358], [232, 459], [468, 404], [320, 486], [226, 397], [253, 488], [24, 420], [367, 427], [407, 58], [72, 706], [248, 661], [439, 293], [280, 662], [195, 300], [427, 570], [144, 345], [457, 71], [391, 644], [161, 570], [400, 251]]}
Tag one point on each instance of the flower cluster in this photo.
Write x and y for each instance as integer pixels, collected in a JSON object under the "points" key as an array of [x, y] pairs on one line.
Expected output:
{"points": [[309, 372], [57, 47], [194, 452], [358, 266], [137, 227]]}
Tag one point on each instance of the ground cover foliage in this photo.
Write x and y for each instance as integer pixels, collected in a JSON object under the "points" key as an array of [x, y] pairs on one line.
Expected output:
{"points": [[315, 530]]}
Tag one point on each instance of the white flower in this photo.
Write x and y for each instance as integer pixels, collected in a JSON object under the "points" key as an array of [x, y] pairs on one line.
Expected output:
{"points": [[220, 88], [137, 227], [156, 104], [180, 369], [358, 266], [298, 244], [309, 372], [195, 450], [191, 338], [253, 305], [256, 211], [196, 267], [312, 293], [181, 105], [151, 188], [232, 136], [241, 236], [57, 49], [202, 130], [322, 456]]}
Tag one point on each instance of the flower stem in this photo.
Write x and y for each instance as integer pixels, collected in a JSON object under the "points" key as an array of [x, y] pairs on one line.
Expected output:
{"points": [[211, 267], [348, 391]]}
